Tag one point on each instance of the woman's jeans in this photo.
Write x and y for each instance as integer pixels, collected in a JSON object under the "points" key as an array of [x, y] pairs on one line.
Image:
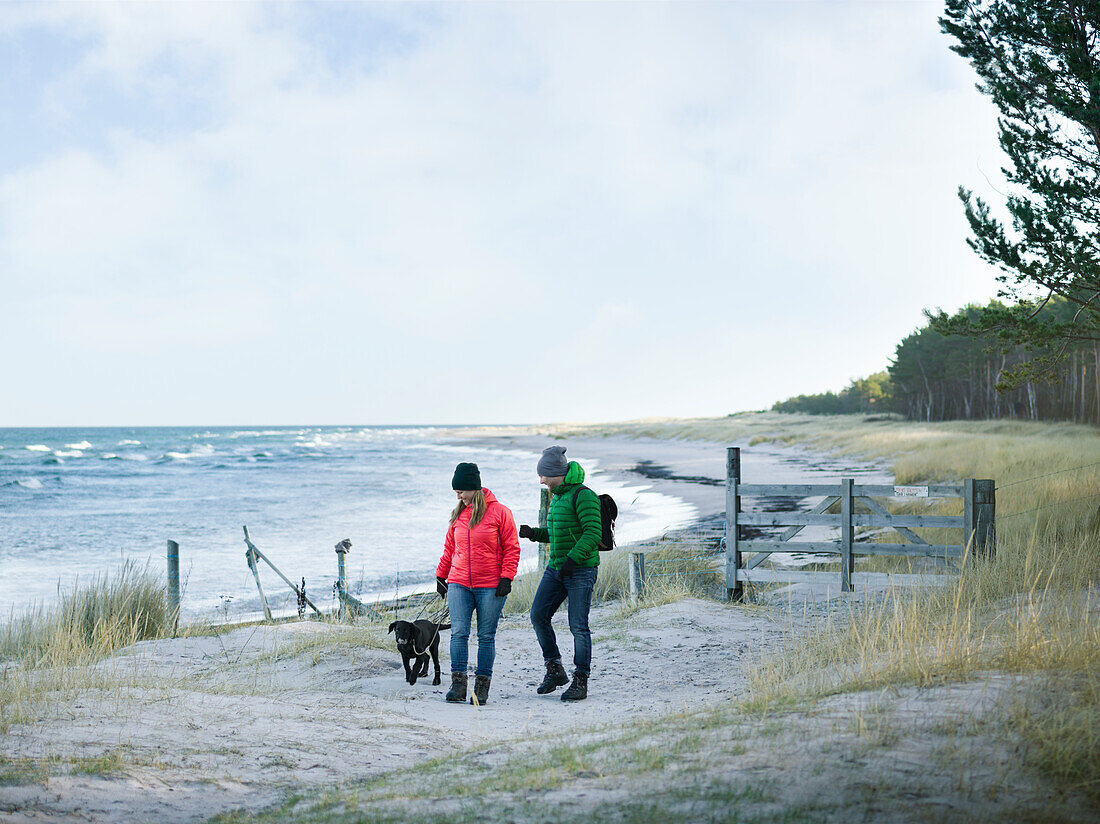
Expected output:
{"points": [[553, 589], [462, 602]]}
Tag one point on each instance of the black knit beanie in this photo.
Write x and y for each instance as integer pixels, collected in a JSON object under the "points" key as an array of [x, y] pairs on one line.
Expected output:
{"points": [[467, 478]]}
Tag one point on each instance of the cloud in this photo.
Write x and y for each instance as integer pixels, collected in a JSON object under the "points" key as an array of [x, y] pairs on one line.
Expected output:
{"points": [[370, 189]]}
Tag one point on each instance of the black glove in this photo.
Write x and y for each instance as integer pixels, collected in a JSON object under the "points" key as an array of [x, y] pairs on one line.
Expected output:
{"points": [[441, 587], [568, 567], [504, 587], [526, 532]]}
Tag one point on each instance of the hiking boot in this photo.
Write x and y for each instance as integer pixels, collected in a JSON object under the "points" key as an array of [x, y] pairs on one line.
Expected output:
{"points": [[578, 690], [457, 693], [555, 677], [481, 690]]}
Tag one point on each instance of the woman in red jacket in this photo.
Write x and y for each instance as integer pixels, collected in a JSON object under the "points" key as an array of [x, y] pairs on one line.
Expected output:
{"points": [[480, 555]]}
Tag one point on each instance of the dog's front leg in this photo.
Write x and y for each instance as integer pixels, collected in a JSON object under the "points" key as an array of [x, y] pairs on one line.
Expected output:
{"points": [[435, 660], [410, 673], [422, 665]]}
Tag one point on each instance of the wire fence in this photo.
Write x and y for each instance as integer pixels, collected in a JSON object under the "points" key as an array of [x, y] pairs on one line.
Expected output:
{"points": [[1048, 506], [1048, 475]]}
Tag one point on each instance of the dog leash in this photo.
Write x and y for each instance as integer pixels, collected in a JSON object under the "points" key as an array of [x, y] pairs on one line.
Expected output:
{"points": [[436, 619]]}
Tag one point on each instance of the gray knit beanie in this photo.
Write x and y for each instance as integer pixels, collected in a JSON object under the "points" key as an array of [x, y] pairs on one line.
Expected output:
{"points": [[553, 463]]}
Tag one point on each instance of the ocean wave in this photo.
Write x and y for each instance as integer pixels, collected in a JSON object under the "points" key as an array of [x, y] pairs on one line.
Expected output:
{"points": [[266, 433], [316, 443], [129, 443], [68, 453], [109, 456], [53, 459], [81, 445], [26, 483], [37, 447], [198, 452]]}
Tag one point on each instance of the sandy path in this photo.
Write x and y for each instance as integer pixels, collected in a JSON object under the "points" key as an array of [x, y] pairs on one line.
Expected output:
{"points": [[213, 723]]}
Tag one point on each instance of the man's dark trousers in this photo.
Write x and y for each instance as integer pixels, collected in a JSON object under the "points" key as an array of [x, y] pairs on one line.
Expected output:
{"points": [[553, 589]]}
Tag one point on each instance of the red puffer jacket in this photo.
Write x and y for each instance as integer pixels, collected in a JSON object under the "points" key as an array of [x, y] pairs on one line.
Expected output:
{"points": [[481, 556]]}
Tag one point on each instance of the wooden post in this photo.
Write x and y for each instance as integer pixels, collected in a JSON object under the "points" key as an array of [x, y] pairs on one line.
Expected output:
{"points": [[342, 550], [968, 516], [985, 517], [174, 585], [544, 519], [250, 556], [846, 534], [637, 575], [734, 589]]}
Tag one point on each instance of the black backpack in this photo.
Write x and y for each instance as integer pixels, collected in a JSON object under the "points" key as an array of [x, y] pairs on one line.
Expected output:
{"points": [[609, 511]]}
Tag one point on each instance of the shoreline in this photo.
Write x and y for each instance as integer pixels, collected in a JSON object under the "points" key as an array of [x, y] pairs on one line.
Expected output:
{"points": [[246, 719]]}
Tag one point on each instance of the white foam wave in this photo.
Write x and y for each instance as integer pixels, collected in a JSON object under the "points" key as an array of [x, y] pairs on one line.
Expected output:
{"points": [[29, 483], [129, 443], [198, 452], [81, 445], [68, 453], [37, 447], [316, 443], [109, 456]]}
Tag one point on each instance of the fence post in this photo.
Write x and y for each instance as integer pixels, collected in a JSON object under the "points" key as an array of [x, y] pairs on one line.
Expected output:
{"points": [[342, 549], [968, 516], [734, 589], [174, 585], [846, 534], [637, 575], [250, 556], [984, 507], [544, 517]]}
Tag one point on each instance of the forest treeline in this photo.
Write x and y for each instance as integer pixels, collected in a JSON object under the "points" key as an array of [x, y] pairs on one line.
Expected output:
{"points": [[936, 377]]}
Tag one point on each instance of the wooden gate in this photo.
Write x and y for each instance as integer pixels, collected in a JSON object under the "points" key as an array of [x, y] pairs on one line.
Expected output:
{"points": [[976, 526]]}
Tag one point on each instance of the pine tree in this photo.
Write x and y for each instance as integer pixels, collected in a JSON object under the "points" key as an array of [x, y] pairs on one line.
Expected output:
{"points": [[1039, 61]]}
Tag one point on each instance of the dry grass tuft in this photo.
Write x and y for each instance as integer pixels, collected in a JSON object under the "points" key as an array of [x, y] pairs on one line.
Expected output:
{"points": [[1034, 608], [49, 655], [681, 566]]}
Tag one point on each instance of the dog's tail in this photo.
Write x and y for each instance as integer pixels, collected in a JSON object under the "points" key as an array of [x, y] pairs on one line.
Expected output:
{"points": [[444, 626]]}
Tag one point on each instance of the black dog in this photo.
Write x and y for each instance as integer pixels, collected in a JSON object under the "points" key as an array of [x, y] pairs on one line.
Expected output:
{"points": [[414, 641]]}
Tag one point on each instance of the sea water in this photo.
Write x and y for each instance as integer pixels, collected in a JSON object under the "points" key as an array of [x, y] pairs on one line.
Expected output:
{"points": [[80, 503]]}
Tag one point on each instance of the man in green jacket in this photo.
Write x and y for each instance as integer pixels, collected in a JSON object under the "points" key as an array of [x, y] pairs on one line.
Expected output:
{"points": [[574, 531]]}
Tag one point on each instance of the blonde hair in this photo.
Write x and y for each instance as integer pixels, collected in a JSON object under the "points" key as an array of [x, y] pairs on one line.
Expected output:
{"points": [[478, 507]]}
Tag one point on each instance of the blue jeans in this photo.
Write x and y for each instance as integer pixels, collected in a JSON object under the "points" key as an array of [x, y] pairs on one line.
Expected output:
{"points": [[553, 589], [462, 601]]}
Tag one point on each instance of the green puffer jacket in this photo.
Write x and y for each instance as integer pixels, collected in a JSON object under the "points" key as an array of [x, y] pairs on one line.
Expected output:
{"points": [[574, 533]]}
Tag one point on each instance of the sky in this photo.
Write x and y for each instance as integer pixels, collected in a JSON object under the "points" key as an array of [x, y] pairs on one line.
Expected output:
{"points": [[370, 213]]}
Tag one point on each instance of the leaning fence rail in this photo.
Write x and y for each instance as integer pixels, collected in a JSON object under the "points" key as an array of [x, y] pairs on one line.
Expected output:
{"points": [[976, 525]]}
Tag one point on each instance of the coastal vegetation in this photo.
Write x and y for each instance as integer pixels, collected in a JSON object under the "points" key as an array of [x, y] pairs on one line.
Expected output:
{"points": [[1017, 634], [1036, 353], [1038, 63], [938, 374], [48, 654], [992, 678], [1032, 609]]}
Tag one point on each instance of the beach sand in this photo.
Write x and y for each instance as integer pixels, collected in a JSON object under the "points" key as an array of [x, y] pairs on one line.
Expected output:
{"points": [[186, 728]]}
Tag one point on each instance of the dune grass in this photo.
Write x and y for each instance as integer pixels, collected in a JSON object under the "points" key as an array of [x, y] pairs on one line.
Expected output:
{"points": [[1033, 608], [49, 655], [679, 565]]}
